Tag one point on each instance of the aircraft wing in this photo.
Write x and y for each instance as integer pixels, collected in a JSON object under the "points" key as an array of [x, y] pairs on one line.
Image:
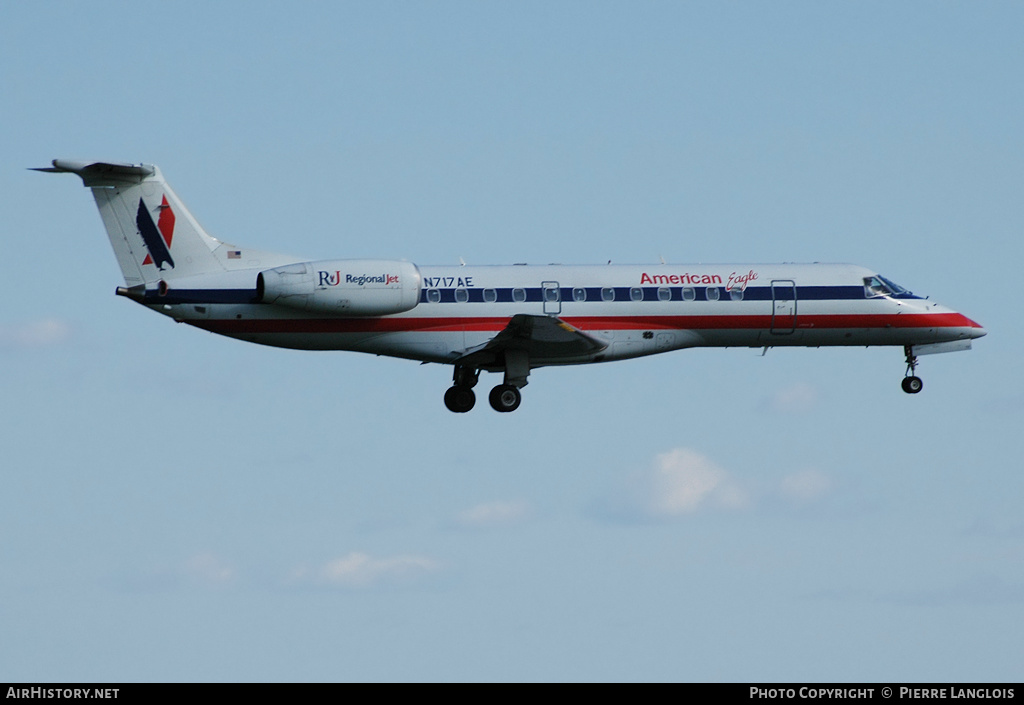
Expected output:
{"points": [[540, 337]]}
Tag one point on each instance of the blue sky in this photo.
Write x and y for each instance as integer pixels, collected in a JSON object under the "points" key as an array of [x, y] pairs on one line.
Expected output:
{"points": [[177, 506]]}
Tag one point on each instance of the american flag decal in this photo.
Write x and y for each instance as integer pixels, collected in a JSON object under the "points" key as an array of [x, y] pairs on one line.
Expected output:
{"points": [[234, 254]]}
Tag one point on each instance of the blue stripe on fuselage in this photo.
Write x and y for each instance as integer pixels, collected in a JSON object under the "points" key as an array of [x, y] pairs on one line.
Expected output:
{"points": [[536, 294]]}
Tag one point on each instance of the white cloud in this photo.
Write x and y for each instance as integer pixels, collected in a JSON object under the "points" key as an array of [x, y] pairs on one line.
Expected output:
{"points": [[207, 568], [204, 570], [682, 481], [34, 334], [494, 514], [794, 399], [806, 485], [360, 570]]}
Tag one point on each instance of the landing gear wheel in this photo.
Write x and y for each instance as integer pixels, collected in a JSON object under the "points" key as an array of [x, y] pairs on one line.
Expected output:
{"points": [[505, 398], [912, 385], [459, 399]]}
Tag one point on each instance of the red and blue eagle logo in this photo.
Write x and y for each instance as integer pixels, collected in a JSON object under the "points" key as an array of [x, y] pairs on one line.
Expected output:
{"points": [[157, 236]]}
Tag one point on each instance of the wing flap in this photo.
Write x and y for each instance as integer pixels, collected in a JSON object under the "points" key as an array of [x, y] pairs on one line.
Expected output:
{"points": [[540, 337]]}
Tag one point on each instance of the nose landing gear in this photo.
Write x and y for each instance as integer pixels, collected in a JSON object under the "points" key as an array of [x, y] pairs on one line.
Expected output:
{"points": [[911, 384]]}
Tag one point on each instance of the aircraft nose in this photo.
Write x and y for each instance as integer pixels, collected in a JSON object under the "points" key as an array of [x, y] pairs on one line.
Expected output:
{"points": [[974, 330]]}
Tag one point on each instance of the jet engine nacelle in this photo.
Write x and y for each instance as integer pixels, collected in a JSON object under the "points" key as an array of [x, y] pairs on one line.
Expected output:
{"points": [[345, 287]]}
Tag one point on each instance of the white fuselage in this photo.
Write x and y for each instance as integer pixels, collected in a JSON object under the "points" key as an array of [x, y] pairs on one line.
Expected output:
{"points": [[635, 309], [510, 318]]}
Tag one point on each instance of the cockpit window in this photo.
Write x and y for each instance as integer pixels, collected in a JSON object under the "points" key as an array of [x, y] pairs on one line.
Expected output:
{"points": [[897, 290], [873, 286], [880, 286]]}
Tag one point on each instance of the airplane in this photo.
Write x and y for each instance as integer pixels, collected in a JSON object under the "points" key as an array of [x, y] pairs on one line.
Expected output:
{"points": [[508, 319]]}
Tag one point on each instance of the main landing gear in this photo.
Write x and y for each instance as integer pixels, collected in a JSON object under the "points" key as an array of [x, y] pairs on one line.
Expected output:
{"points": [[504, 398], [460, 397], [911, 384]]}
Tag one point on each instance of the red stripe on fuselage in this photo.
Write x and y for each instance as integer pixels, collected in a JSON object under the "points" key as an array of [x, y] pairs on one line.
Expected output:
{"points": [[585, 323]]}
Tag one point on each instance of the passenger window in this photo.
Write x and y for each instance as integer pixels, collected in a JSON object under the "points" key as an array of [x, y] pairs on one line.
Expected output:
{"points": [[713, 293], [461, 296], [664, 294], [636, 294], [736, 294], [490, 296], [579, 294], [552, 294], [608, 294], [519, 295], [689, 294], [434, 296]]}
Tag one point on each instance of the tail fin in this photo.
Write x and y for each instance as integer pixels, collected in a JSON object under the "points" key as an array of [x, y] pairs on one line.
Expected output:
{"points": [[153, 235]]}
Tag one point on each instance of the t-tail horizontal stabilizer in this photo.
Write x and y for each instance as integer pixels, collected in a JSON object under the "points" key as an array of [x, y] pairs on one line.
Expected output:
{"points": [[155, 238]]}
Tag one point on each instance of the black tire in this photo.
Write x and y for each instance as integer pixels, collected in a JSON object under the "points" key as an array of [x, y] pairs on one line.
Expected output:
{"points": [[912, 385], [505, 398], [459, 399]]}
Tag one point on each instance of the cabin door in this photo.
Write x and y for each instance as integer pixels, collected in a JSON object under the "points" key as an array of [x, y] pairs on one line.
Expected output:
{"points": [[783, 306], [551, 294]]}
